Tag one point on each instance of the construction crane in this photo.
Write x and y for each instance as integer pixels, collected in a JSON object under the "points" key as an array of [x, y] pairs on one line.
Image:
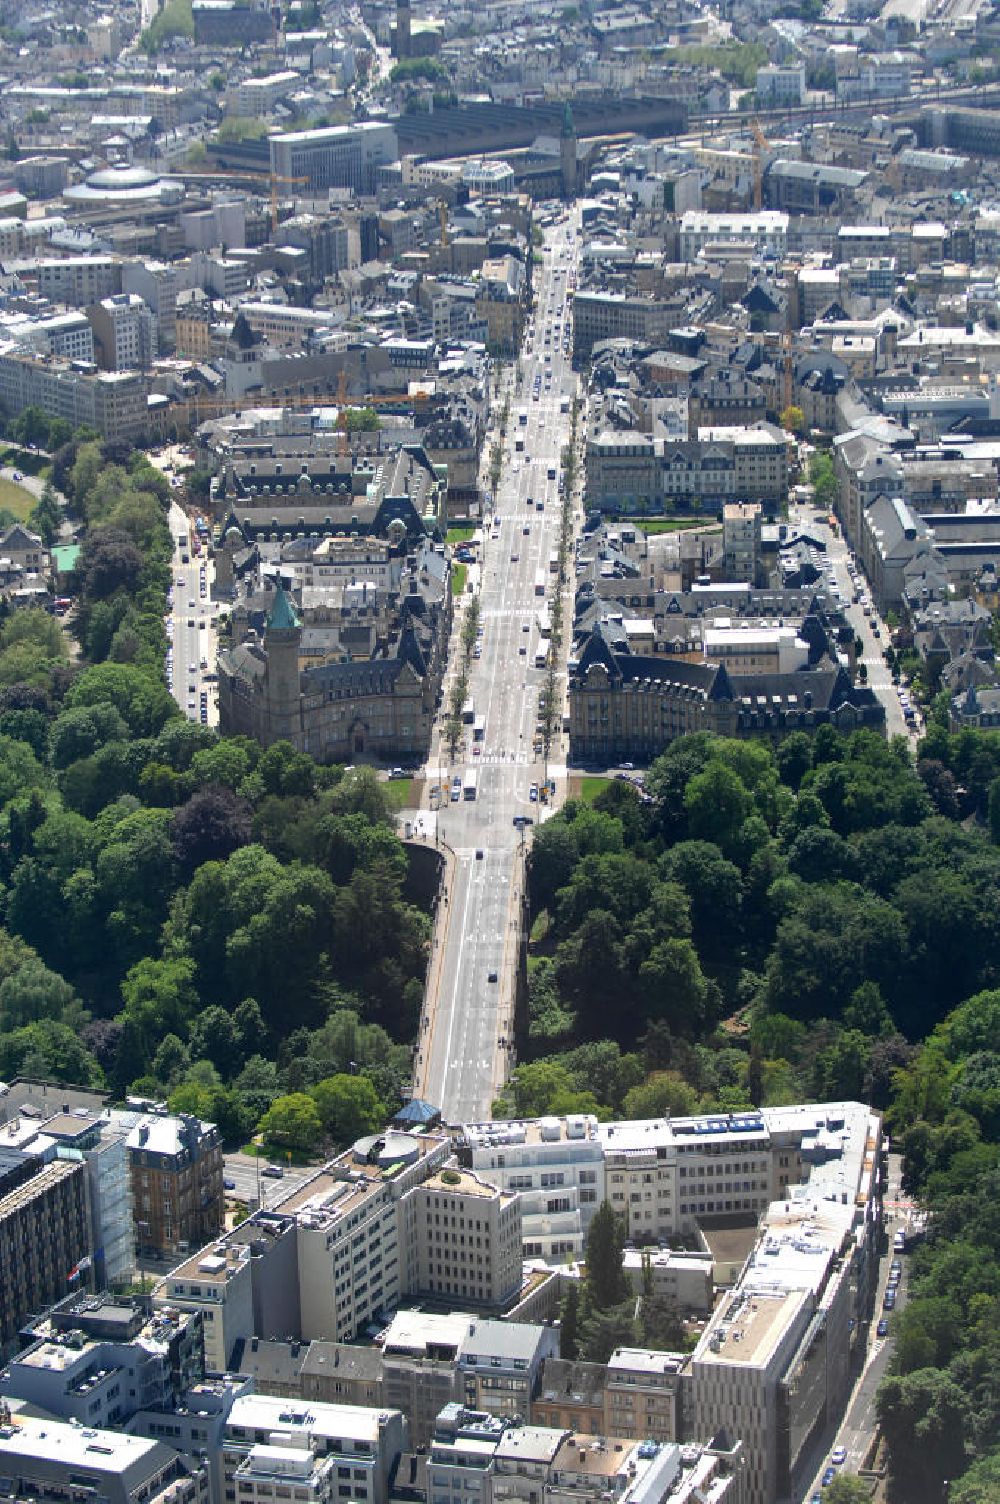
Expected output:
{"points": [[761, 145], [217, 404], [396, 399], [275, 180]]}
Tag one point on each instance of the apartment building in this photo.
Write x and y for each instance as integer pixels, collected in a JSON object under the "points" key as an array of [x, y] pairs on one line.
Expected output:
{"points": [[466, 1236], [124, 332], [571, 1396], [342, 1373], [332, 1451], [176, 1168], [781, 85], [80, 281], [45, 1239], [67, 334], [500, 1365], [337, 156], [420, 1366], [258, 96], [156, 283], [284, 326], [686, 1280], [50, 1461], [741, 537]]}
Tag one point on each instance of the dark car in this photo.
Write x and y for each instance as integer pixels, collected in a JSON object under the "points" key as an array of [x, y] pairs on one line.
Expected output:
{"points": [[229, 1185], [882, 1330], [829, 1476]]}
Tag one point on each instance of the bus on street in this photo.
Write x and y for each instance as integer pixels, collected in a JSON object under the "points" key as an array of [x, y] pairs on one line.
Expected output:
{"points": [[540, 579], [469, 784]]}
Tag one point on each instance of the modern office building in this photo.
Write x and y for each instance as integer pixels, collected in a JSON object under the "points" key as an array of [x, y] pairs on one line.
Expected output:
{"points": [[45, 1236], [476, 1459], [773, 1365], [466, 1240], [97, 1362], [556, 1167], [50, 1461], [335, 1255], [113, 402], [336, 156]]}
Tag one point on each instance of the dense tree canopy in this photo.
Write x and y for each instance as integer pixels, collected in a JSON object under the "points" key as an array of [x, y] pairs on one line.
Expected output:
{"points": [[189, 915]]}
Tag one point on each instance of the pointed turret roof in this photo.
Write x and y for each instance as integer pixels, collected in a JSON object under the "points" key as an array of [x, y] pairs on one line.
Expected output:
{"points": [[282, 616]]}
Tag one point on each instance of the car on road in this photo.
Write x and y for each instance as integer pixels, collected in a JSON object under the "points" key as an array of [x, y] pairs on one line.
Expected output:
{"points": [[479, 853], [514, 558], [889, 1301], [492, 977], [882, 1330], [533, 793], [396, 773], [838, 1456], [228, 1185], [829, 1476], [896, 1267], [273, 1172]]}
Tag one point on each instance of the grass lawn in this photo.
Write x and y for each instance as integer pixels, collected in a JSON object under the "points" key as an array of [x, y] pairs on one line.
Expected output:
{"points": [[588, 786], [458, 574], [399, 793], [460, 532], [540, 928], [650, 525], [16, 499]]}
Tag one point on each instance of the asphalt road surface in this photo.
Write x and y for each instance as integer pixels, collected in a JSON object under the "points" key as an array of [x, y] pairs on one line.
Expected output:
{"points": [[463, 1051], [242, 1170], [879, 677], [191, 627]]}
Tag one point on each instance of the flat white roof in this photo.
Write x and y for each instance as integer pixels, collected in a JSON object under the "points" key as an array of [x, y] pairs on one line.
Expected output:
{"points": [[271, 1413]]}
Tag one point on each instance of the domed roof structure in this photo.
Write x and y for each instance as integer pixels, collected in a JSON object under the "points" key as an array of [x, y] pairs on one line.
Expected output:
{"points": [[387, 1149], [123, 185]]}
